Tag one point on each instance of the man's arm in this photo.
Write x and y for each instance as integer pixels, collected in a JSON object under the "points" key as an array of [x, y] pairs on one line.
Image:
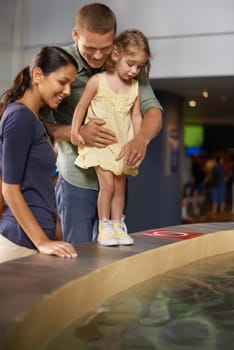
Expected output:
{"points": [[134, 151], [136, 116], [94, 133], [58, 132]]}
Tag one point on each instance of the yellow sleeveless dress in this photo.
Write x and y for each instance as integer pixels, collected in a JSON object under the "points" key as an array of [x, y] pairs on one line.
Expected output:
{"points": [[115, 109]]}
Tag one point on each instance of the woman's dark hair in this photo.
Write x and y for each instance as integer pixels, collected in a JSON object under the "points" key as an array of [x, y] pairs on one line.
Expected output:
{"points": [[48, 59]]}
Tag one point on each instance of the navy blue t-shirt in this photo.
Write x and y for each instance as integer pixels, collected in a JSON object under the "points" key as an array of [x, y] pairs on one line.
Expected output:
{"points": [[28, 159]]}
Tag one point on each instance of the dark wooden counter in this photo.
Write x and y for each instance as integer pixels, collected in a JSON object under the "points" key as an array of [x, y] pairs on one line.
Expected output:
{"points": [[25, 282]]}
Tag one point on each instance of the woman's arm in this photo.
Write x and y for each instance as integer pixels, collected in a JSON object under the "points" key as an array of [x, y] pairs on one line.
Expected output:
{"points": [[25, 218]]}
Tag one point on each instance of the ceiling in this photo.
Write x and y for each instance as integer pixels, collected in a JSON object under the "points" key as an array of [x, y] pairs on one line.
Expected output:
{"points": [[218, 108]]}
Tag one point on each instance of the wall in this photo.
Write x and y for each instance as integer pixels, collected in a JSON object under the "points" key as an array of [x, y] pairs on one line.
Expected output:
{"points": [[188, 38], [12, 29], [6, 30], [154, 196]]}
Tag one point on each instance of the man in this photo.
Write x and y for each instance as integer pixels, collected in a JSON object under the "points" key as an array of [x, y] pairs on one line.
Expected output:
{"points": [[76, 188]]}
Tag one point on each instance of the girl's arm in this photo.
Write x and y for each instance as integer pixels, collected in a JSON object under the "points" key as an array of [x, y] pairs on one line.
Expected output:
{"points": [[81, 108], [136, 115], [25, 218]]}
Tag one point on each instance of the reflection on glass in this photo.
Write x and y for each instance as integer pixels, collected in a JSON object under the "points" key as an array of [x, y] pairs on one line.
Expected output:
{"points": [[191, 308]]}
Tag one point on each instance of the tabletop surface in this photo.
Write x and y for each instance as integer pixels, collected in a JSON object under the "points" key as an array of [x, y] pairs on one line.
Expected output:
{"points": [[24, 282]]}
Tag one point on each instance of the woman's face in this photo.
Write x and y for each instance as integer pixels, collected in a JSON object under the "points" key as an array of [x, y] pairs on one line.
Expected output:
{"points": [[55, 86]]}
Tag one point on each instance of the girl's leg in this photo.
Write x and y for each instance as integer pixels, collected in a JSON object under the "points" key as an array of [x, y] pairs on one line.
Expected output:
{"points": [[117, 208], [106, 233], [106, 192], [118, 201]]}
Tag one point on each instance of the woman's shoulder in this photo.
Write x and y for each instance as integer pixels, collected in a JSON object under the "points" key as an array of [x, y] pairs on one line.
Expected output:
{"points": [[18, 116], [14, 109]]}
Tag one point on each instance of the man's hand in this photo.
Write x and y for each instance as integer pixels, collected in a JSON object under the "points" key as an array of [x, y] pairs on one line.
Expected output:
{"points": [[134, 151], [96, 135]]}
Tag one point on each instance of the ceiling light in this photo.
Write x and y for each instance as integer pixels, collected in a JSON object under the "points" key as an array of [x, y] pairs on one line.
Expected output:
{"points": [[205, 94], [192, 103]]}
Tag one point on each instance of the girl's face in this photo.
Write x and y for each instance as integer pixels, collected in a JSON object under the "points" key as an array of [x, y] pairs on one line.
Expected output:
{"points": [[54, 87], [128, 66]]}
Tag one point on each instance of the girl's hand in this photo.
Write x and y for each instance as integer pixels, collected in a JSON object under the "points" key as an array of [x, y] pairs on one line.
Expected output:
{"points": [[80, 140], [77, 140], [58, 248]]}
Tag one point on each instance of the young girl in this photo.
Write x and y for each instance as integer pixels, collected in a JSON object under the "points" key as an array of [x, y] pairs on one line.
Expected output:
{"points": [[113, 95]]}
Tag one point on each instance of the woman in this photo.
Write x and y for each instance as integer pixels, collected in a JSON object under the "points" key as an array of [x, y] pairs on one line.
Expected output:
{"points": [[27, 159]]}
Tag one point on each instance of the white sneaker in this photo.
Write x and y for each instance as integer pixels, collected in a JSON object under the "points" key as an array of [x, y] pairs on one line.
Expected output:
{"points": [[106, 233], [121, 232]]}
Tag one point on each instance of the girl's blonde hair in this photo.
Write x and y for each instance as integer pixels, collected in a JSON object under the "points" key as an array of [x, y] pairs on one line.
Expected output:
{"points": [[128, 42]]}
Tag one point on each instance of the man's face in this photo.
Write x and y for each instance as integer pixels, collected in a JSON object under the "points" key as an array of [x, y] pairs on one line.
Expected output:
{"points": [[93, 47]]}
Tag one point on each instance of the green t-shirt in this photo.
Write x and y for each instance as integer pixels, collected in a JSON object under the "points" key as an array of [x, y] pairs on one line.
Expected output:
{"points": [[67, 153]]}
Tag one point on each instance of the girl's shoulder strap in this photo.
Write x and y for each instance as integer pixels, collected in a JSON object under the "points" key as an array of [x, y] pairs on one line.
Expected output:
{"points": [[135, 86]]}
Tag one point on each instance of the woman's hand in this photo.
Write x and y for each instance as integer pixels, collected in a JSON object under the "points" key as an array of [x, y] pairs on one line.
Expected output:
{"points": [[58, 248]]}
